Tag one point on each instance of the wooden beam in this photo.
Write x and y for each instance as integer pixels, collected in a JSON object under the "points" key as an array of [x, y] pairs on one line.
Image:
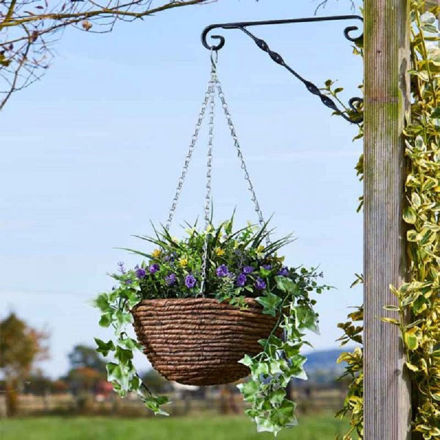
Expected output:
{"points": [[386, 391]]}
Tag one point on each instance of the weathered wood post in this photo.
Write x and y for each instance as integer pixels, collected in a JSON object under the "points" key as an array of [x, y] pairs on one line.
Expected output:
{"points": [[386, 392]]}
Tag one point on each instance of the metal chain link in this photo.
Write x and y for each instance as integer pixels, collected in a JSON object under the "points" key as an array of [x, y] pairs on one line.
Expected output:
{"points": [[208, 205], [210, 99], [188, 157], [240, 156]]}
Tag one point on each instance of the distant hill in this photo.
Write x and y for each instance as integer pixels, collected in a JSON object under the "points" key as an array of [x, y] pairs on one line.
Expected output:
{"points": [[323, 359], [321, 365]]}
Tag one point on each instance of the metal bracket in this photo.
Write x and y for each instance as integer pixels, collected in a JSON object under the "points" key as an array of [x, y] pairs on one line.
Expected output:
{"points": [[354, 104]]}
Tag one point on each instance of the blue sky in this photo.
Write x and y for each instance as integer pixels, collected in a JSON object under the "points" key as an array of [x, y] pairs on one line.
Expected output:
{"points": [[92, 153]]}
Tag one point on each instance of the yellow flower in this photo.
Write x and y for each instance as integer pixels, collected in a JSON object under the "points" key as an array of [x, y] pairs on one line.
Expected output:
{"points": [[183, 262], [156, 253], [260, 249], [219, 252]]}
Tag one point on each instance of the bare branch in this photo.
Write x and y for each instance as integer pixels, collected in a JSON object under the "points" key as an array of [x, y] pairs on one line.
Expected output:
{"points": [[323, 3], [28, 29]]}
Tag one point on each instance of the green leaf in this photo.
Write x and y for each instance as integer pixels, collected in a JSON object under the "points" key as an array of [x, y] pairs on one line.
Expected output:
{"points": [[270, 303], [409, 215], [307, 318], [105, 320], [286, 285], [104, 347], [391, 308], [102, 302], [123, 355], [130, 343]]}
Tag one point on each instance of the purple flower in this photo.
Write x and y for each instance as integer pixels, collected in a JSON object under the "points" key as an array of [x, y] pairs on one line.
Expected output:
{"points": [[140, 272], [222, 271], [121, 267], [260, 284], [241, 280], [128, 282], [153, 268], [190, 281], [267, 266], [170, 279], [284, 272], [248, 269]]}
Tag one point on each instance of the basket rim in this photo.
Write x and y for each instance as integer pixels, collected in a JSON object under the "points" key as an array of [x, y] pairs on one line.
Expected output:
{"points": [[195, 300]]}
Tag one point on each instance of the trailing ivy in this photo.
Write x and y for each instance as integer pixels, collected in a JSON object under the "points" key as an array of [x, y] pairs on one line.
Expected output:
{"points": [[239, 266], [115, 313]]}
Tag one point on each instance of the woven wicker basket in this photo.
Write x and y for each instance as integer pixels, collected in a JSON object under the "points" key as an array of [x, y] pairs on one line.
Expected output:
{"points": [[199, 341]]}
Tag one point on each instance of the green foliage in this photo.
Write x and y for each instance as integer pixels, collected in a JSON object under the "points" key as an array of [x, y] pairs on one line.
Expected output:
{"points": [[240, 264], [230, 253], [280, 361], [419, 300], [20, 347], [115, 309], [353, 403]]}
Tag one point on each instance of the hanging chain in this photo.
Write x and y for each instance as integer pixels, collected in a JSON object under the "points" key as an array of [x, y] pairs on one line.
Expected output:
{"points": [[188, 157], [240, 157], [208, 202], [209, 99]]}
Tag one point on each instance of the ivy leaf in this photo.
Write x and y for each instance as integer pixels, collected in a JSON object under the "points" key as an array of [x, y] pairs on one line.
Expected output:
{"points": [[286, 285], [123, 355], [270, 303], [106, 320], [104, 347], [153, 403], [102, 302], [307, 318], [130, 343]]}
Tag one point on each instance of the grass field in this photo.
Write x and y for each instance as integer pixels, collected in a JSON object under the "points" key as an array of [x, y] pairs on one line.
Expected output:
{"points": [[194, 428]]}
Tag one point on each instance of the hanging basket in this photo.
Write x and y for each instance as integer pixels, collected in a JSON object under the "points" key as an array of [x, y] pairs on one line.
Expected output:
{"points": [[199, 341]]}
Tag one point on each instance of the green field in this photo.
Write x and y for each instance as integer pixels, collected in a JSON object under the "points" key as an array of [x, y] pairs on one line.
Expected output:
{"points": [[194, 428]]}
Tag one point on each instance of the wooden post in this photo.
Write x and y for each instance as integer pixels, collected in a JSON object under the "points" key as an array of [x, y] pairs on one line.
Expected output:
{"points": [[386, 392]]}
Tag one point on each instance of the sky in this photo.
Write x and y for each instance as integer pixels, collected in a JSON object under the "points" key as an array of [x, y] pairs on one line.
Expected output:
{"points": [[92, 152]]}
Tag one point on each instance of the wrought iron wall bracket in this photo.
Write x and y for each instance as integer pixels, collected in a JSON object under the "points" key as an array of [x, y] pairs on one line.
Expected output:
{"points": [[354, 104]]}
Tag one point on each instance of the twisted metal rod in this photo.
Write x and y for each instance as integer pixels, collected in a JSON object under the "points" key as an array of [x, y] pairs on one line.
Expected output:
{"points": [[353, 103]]}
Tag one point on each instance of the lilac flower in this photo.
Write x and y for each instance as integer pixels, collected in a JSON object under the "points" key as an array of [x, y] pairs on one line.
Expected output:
{"points": [[128, 282], [284, 272], [140, 272], [267, 266], [121, 267], [222, 271], [170, 258], [241, 280], [248, 269], [190, 281], [170, 279], [153, 268], [260, 284]]}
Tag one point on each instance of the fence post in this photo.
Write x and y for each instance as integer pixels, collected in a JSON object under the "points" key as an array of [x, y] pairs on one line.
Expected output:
{"points": [[386, 391]]}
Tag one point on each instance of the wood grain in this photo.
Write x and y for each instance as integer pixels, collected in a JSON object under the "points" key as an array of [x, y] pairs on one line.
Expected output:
{"points": [[386, 390]]}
